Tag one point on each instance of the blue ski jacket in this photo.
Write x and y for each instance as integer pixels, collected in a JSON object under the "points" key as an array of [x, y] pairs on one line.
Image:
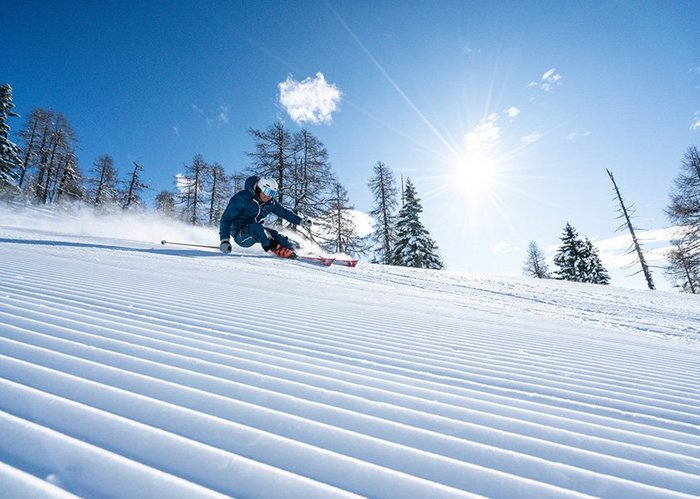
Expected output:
{"points": [[245, 208]]}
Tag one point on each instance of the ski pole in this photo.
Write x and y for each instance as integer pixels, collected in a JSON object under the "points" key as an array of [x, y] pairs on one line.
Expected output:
{"points": [[311, 237], [164, 242]]}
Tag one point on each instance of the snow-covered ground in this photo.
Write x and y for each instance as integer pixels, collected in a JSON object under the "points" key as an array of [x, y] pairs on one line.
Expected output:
{"points": [[129, 369]]}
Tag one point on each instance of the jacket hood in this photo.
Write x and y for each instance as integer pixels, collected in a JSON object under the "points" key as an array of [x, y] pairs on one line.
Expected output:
{"points": [[250, 184]]}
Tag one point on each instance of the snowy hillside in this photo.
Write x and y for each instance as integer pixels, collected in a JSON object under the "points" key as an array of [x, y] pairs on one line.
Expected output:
{"points": [[129, 369]]}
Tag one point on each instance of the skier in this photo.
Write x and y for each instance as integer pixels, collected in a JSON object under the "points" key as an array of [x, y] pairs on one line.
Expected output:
{"points": [[245, 212]]}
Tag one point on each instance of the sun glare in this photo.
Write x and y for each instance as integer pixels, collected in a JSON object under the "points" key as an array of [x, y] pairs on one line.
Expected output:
{"points": [[476, 173]]}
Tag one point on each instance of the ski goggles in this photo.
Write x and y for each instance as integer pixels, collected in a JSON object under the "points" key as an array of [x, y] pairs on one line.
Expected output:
{"points": [[268, 191]]}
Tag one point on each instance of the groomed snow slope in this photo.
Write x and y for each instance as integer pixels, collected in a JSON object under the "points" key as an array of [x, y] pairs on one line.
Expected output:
{"points": [[128, 369]]}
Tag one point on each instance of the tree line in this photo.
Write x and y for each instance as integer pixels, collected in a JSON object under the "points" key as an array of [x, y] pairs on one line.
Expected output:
{"points": [[578, 260], [44, 169]]}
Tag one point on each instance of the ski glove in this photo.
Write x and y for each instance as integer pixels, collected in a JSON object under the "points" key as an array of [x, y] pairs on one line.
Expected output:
{"points": [[306, 223], [225, 246]]}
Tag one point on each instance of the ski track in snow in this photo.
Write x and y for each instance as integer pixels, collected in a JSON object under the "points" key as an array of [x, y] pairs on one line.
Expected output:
{"points": [[132, 370]]}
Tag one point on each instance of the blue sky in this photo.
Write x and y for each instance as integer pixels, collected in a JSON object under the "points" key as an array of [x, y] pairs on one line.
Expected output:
{"points": [[504, 114]]}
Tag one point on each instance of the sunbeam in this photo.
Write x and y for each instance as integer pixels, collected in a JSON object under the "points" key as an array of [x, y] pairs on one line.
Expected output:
{"points": [[393, 83]]}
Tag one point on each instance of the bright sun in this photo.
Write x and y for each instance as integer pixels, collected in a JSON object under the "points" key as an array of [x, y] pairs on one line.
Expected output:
{"points": [[477, 173]]}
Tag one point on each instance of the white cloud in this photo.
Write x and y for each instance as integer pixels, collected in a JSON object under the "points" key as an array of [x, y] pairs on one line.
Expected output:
{"points": [[182, 183], [695, 125], [485, 136], [576, 135], [503, 248], [364, 223], [512, 112], [201, 112], [223, 115], [312, 100], [615, 250], [549, 80], [531, 138]]}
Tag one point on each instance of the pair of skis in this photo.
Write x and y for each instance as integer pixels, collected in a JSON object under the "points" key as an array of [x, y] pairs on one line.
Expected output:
{"points": [[315, 260]]}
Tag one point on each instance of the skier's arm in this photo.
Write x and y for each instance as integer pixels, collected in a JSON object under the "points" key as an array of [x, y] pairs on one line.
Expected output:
{"points": [[288, 215], [232, 211]]}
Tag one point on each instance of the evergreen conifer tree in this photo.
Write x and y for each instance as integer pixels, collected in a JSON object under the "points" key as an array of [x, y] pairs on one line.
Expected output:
{"points": [[578, 259], [591, 266], [10, 161], [568, 255], [414, 246]]}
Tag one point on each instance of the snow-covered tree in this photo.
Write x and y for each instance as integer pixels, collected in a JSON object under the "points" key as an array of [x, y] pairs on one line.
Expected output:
{"points": [[385, 192], [684, 212], [274, 156], [578, 260], [58, 142], [311, 187], [10, 160], [339, 225], [299, 163], [683, 268], [35, 129], [220, 191], [591, 266], [568, 255], [103, 183], [414, 247], [535, 263], [132, 193], [165, 204], [192, 194], [69, 187]]}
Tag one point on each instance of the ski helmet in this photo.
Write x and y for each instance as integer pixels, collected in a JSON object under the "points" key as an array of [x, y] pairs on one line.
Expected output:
{"points": [[267, 186]]}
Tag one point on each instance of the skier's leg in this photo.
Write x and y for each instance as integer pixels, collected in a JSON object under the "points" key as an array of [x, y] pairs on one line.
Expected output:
{"points": [[251, 234], [282, 239]]}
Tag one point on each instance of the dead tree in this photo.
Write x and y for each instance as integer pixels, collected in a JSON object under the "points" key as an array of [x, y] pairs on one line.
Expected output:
{"points": [[624, 213]]}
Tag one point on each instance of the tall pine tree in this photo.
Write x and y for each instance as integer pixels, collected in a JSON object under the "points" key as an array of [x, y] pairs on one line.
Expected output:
{"points": [[568, 255], [383, 187], [414, 246], [10, 161]]}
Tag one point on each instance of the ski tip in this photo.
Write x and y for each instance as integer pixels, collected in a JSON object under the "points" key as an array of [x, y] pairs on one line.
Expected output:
{"points": [[317, 260], [163, 242], [346, 263]]}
